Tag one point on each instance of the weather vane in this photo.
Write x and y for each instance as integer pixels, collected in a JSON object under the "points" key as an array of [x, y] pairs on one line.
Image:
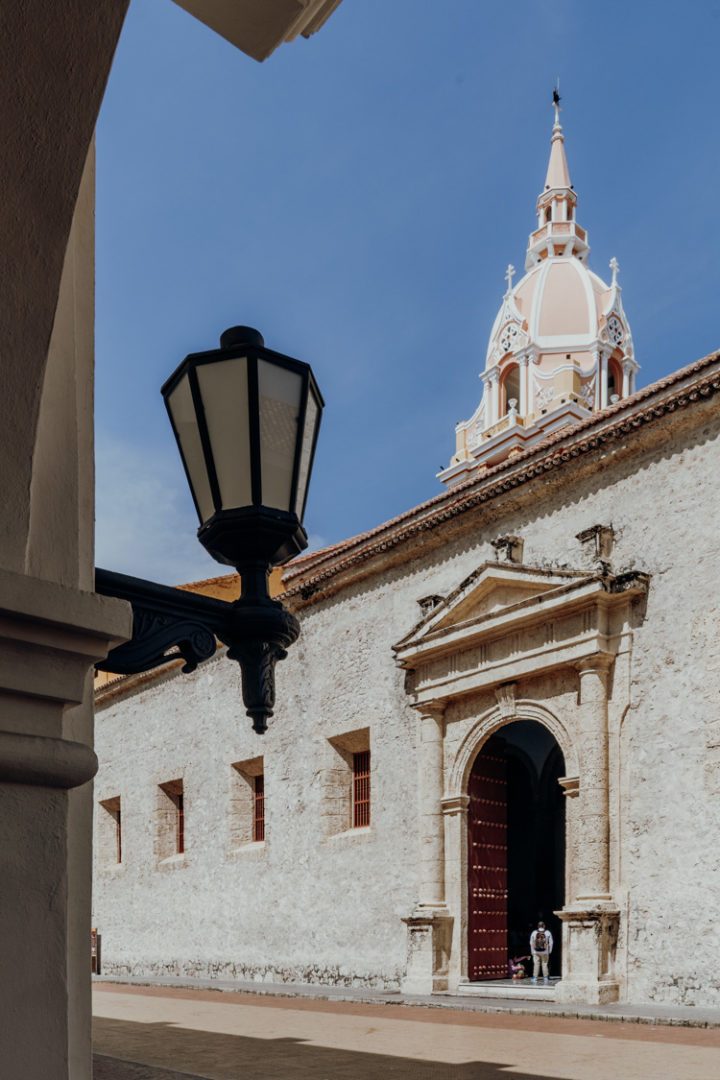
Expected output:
{"points": [[556, 99]]}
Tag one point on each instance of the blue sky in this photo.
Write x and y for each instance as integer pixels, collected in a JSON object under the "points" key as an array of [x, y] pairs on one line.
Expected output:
{"points": [[357, 198]]}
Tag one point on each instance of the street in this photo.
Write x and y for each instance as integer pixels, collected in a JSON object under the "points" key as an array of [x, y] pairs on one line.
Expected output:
{"points": [[157, 1033]]}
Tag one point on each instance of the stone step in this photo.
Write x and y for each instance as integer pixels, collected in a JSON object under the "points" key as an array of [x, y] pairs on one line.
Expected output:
{"points": [[521, 990]]}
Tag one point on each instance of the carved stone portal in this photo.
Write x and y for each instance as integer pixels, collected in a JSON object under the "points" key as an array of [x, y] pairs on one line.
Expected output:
{"points": [[506, 624]]}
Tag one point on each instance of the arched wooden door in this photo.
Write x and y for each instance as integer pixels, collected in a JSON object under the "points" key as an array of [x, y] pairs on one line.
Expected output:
{"points": [[487, 865]]}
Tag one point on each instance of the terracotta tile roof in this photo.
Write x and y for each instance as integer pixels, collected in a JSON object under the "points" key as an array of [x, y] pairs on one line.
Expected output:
{"points": [[694, 382]]}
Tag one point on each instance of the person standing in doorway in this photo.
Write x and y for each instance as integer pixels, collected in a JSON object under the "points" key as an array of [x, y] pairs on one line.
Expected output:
{"points": [[541, 944]]}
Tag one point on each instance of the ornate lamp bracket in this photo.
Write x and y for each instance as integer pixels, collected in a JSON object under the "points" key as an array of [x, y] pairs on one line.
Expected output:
{"points": [[173, 624]]}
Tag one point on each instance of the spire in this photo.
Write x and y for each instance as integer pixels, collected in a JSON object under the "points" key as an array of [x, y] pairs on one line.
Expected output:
{"points": [[558, 174], [557, 232]]}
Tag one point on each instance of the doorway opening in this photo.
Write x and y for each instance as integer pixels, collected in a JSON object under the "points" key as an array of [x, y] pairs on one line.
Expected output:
{"points": [[516, 848]]}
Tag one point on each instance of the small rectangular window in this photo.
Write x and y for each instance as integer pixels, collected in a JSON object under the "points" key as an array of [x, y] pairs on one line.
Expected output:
{"points": [[176, 818], [361, 789], [110, 838], [259, 808], [247, 803]]}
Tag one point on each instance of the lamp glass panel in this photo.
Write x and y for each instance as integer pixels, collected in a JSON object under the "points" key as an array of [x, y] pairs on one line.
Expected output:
{"points": [[279, 392], [182, 410], [312, 418], [224, 391]]}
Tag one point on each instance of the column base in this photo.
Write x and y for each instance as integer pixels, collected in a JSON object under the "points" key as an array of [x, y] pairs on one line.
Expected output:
{"points": [[590, 931], [572, 992], [429, 935]]}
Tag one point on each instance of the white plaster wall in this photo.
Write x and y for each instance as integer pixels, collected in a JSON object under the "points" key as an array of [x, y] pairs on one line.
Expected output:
{"points": [[308, 908]]}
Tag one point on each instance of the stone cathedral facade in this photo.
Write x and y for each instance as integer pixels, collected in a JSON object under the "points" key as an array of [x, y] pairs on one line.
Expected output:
{"points": [[504, 705]]}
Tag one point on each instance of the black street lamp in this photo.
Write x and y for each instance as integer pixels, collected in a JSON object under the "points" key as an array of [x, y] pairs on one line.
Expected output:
{"points": [[246, 421]]}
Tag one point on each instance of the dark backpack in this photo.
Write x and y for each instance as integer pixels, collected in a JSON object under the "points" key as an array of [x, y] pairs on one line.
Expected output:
{"points": [[541, 942]]}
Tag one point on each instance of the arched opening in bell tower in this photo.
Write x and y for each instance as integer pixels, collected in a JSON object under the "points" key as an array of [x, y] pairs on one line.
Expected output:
{"points": [[509, 388], [615, 379], [516, 848]]}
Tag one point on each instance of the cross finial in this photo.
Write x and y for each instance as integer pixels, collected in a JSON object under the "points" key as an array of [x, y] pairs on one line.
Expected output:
{"points": [[615, 267], [509, 276]]}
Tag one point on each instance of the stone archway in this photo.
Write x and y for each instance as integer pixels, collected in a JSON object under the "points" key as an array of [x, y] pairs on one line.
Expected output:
{"points": [[515, 871], [456, 805]]}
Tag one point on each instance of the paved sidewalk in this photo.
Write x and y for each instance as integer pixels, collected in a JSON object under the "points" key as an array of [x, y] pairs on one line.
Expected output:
{"points": [[163, 1033], [674, 1015]]}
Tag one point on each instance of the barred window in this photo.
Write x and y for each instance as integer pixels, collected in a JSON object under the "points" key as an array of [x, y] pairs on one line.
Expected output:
{"points": [[259, 808], [361, 789], [247, 803]]}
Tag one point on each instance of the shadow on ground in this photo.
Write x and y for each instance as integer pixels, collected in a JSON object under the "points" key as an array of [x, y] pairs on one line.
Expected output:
{"points": [[167, 1052]]}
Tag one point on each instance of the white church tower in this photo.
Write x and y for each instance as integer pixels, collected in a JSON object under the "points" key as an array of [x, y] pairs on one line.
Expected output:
{"points": [[560, 347]]}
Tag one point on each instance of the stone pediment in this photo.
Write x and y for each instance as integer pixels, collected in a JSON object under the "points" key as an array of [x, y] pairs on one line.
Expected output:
{"points": [[507, 621], [491, 589]]}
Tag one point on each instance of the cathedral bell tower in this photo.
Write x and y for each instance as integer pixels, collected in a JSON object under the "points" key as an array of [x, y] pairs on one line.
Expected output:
{"points": [[560, 347]]}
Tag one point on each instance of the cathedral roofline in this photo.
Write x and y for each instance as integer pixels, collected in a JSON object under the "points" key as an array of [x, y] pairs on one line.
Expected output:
{"points": [[309, 577], [313, 577]]}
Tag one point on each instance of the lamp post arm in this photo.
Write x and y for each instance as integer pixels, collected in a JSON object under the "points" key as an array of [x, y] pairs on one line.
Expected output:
{"points": [[172, 624], [168, 624]]}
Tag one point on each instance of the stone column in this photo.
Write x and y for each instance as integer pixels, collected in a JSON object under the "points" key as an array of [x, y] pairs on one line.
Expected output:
{"points": [[627, 379], [455, 810], [50, 635], [533, 358], [494, 379], [430, 792], [603, 379], [592, 856], [429, 925], [523, 365], [591, 919]]}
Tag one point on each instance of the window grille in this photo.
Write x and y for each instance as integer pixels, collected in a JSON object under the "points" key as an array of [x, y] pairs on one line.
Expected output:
{"points": [[361, 789], [118, 832], [180, 823], [259, 807]]}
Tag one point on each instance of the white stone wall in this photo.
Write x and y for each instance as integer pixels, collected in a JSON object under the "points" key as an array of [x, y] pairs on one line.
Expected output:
{"points": [[313, 904]]}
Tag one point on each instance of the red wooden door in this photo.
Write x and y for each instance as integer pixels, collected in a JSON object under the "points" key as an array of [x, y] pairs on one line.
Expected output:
{"points": [[487, 865]]}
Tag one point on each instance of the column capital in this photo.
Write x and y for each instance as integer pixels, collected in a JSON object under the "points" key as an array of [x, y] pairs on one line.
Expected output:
{"points": [[599, 662], [430, 710], [570, 786], [455, 804]]}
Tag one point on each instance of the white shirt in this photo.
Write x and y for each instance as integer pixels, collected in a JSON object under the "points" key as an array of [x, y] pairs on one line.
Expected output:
{"points": [[548, 938]]}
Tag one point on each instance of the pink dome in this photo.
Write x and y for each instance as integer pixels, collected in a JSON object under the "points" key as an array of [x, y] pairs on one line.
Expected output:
{"points": [[558, 306]]}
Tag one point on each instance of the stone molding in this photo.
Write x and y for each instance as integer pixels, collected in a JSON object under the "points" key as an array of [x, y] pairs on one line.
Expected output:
{"points": [[45, 762], [451, 653], [50, 635], [505, 695], [570, 786], [490, 722], [455, 804]]}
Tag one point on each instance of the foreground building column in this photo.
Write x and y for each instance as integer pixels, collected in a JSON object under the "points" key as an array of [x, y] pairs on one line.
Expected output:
{"points": [[591, 919], [50, 637], [429, 924]]}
